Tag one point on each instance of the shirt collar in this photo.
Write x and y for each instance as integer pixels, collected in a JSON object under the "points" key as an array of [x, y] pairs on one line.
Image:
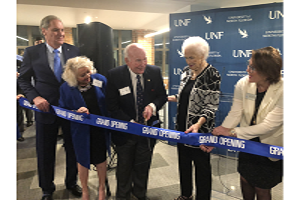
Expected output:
{"points": [[51, 49], [132, 74]]}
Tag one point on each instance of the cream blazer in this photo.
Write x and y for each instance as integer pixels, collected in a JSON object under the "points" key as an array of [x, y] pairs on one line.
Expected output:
{"points": [[269, 127]]}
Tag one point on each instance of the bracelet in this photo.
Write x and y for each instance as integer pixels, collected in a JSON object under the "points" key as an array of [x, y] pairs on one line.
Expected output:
{"points": [[233, 133]]}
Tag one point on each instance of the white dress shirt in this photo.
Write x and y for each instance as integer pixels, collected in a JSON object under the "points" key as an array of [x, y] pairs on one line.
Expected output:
{"points": [[134, 82], [51, 54]]}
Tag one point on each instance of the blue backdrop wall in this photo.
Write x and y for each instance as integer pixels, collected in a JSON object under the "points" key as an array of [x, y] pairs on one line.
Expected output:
{"points": [[232, 33]]}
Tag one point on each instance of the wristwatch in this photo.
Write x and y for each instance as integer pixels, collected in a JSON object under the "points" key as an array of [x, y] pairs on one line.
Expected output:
{"points": [[233, 133]]}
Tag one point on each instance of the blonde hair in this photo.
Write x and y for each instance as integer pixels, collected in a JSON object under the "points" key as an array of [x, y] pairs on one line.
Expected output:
{"points": [[72, 66]]}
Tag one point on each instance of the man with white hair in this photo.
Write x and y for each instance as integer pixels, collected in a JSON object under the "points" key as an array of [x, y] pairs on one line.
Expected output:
{"points": [[135, 93]]}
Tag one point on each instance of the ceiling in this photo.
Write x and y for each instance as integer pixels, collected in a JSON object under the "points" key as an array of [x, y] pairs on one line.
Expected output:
{"points": [[118, 14]]}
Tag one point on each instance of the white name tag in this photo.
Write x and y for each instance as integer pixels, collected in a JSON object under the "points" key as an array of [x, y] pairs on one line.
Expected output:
{"points": [[124, 91], [97, 83], [251, 96]]}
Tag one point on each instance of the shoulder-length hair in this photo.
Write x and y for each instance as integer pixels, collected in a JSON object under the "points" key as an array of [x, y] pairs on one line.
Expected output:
{"points": [[268, 62], [200, 45], [72, 66]]}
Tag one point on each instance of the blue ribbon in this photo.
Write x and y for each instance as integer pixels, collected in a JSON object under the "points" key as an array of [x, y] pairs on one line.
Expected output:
{"points": [[195, 139]]}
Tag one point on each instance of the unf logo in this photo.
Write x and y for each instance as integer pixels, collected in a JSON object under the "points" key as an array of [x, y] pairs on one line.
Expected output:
{"points": [[182, 22], [241, 53], [275, 14], [214, 35], [177, 71]]}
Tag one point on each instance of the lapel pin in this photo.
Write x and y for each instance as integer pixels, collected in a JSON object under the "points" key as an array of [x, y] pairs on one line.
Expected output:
{"points": [[148, 80]]}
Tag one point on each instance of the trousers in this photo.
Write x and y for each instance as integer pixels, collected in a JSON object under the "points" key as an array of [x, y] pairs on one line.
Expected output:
{"points": [[134, 160], [46, 139], [187, 156]]}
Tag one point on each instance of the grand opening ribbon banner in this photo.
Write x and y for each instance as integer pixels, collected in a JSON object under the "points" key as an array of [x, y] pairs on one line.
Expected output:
{"points": [[164, 134]]}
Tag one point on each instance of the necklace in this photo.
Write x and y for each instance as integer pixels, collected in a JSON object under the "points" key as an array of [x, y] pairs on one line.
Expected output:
{"points": [[84, 88]]}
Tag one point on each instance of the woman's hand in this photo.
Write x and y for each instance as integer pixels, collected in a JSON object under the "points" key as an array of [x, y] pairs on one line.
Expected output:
{"points": [[83, 110], [172, 98], [194, 128], [206, 149], [220, 130]]}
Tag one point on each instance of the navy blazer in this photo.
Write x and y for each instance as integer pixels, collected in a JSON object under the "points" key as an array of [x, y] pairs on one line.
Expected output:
{"points": [[35, 64], [123, 106], [71, 99]]}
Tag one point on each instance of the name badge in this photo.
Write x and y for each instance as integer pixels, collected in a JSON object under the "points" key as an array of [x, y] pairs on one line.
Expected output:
{"points": [[124, 91], [251, 96], [97, 83]]}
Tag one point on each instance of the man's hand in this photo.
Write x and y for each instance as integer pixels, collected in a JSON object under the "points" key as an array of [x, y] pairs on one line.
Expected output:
{"points": [[41, 103], [148, 112]]}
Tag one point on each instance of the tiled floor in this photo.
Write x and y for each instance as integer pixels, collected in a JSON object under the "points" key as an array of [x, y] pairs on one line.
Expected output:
{"points": [[163, 181]]}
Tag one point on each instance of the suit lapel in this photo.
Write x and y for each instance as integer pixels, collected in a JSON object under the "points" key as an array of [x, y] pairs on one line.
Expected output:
{"points": [[250, 97], [44, 58], [66, 53], [147, 84], [270, 96], [127, 82]]}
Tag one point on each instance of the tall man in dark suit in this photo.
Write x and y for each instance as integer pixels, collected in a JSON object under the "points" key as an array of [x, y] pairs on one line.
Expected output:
{"points": [[44, 63], [135, 93]]}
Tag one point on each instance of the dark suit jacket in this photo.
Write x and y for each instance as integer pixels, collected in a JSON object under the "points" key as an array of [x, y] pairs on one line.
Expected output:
{"points": [[35, 64], [123, 106]]}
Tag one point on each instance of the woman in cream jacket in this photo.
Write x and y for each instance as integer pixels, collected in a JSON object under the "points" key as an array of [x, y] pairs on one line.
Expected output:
{"points": [[258, 109]]}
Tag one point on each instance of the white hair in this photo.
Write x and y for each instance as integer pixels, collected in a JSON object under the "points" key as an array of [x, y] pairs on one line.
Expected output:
{"points": [[200, 45], [72, 66], [132, 45]]}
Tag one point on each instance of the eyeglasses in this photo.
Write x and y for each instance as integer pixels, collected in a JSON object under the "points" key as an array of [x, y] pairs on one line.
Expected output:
{"points": [[251, 68]]}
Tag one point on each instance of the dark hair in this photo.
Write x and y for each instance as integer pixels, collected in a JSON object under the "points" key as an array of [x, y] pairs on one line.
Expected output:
{"points": [[268, 62], [38, 38]]}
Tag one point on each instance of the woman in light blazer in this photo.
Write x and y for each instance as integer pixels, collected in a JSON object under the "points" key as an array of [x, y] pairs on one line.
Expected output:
{"points": [[258, 108], [84, 92]]}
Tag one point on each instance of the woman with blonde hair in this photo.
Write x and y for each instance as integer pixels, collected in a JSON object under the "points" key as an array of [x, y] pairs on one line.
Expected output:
{"points": [[84, 92]]}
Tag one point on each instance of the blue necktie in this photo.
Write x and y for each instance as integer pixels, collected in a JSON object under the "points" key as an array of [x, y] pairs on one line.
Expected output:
{"points": [[139, 99], [57, 65]]}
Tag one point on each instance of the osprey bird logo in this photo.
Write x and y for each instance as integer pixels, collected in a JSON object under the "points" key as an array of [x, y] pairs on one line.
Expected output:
{"points": [[207, 19], [243, 33], [180, 53]]}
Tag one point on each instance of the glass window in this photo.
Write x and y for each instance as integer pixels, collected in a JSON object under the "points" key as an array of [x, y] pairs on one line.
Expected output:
{"points": [[167, 40], [116, 57], [158, 40], [116, 40], [166, 72], [159, 58], [22, 36], [126, 38], [35, 32]]}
